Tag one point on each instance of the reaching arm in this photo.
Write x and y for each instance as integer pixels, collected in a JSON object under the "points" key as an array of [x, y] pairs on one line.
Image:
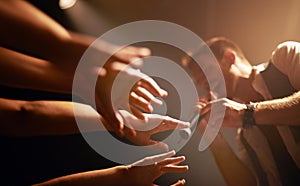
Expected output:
{"points": [[20, 70], [134, 174], [31, 118], [31, 31], [283, 111], [55, 54]]}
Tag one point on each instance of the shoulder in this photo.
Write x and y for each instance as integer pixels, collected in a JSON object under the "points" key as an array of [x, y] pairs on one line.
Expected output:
{"points": [[285, 50], [286, 58], [285, 55]]}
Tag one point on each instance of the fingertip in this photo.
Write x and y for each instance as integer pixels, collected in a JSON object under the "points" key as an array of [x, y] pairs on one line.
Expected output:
{"points": [[163, 93], [157, 101], [173, 152], [183, 181], [150, 108], [120, 133], [132, 132], [145, 51], [182, 157], [136, 62], [185, 124]]}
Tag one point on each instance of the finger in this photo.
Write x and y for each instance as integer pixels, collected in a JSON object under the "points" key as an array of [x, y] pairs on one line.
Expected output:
{"points": [[151, 160], [203, 99], [144, 52], [138, 51], [137, 113], [136, 62], [202, 103], [169, 124], [159, 146], [134, 52], [174, 168], [142, 92], [118, 66], [149, 84], [205, 109], [160, 157], [140, 102], [117, 125], [112, 119], [129, 130], [128, 53], [179, 183], [172, 160]]}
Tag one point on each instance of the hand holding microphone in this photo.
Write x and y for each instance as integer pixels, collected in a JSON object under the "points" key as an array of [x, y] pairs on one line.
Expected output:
{"points": [[196, 117]]}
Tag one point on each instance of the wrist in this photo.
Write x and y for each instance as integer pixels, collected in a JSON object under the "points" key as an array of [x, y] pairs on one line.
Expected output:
{"points": [[123, 172], [248, 116], [126, 176]]}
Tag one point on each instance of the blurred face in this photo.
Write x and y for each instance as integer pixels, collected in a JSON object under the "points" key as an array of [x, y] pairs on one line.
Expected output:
{"points": [[206, 77]]}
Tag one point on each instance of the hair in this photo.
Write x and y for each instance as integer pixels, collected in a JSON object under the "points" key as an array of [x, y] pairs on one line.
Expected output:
{"points": [[218, 45]]}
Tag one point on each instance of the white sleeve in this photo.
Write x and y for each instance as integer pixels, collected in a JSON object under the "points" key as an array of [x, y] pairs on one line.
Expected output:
{"points": [[286, 57]]}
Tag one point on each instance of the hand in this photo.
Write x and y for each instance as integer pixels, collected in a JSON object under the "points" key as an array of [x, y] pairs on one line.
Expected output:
{"points": [[105, 62], [135, 174], [233, 112], [145, 171], [136, 85], [153, 124], [124, 87]]}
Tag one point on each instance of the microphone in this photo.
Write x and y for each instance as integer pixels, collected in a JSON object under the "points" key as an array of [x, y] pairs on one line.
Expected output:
{"points": [[187, 133], [195, 119]]}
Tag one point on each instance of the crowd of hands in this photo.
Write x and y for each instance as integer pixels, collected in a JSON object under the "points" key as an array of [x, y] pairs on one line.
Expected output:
{"points": [[133, 116], [49, 61]]}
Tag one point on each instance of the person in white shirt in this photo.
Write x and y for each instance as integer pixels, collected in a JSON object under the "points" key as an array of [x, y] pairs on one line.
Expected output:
{"points": [[263, 102]]}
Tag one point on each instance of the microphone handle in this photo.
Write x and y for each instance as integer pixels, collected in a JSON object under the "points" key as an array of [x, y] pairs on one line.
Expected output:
{"points": [[187, 133]]}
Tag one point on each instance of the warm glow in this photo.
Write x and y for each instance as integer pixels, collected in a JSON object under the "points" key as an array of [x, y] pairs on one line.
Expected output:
{"points": [[65, 4]]}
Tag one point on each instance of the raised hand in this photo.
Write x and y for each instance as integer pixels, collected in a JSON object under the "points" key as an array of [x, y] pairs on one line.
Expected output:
{"points": [[153, 124]]}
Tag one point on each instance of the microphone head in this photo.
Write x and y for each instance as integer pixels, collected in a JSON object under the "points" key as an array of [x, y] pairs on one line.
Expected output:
{"points": [[185, 133]]}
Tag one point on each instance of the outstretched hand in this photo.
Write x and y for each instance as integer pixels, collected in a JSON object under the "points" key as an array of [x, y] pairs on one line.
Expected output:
{"points": [[145, 171], [233, 112], [120, 85], [144, 129], [129, 89]]}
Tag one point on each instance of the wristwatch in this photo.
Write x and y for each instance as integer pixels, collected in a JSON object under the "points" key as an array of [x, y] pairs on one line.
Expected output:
{"points": [[248, 118]]}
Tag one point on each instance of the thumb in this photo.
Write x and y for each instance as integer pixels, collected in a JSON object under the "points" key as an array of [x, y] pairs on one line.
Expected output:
{"points": [[179, 183], [159, 146]]}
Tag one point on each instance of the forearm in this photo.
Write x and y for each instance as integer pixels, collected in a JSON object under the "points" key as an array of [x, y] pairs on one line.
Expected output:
{"points": [[283, 111], [33, 32], [110, 176], [20, 70], [231, 167], [22, 118]]}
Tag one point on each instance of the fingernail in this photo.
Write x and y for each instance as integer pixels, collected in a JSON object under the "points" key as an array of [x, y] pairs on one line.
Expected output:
{"points": [[136, 62], [173, 152], [150, 108], [157, 101], [145, 51], [163, 92], [186, 124]]}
